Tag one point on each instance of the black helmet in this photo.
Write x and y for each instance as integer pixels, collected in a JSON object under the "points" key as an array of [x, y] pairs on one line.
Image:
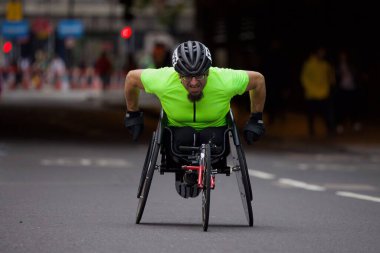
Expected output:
{"points": [[191, 58]]}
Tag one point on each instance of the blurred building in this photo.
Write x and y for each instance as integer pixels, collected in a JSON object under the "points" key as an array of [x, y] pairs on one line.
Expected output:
{"points": [[102, 22]]}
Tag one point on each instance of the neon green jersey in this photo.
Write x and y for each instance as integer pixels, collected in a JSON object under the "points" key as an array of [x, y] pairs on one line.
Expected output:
{"points": [[222, 85]]}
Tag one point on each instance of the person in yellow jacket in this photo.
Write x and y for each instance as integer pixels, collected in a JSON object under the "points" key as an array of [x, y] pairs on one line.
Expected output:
{"points": [[317, 79]]}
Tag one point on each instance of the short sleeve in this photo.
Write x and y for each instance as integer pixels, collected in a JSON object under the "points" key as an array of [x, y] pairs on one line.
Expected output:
{"points": [[148, 78], [234, 81], [240, 81], [156, 80]]}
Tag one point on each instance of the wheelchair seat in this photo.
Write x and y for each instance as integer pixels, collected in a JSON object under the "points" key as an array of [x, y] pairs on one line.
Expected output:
{"points": [[176, 156]]}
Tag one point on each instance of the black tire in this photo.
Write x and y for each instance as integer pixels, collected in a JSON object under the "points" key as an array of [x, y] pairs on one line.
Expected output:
{"points": [[244, 186], [243, 161], [145, 167], [147, 182], [206, 188]]}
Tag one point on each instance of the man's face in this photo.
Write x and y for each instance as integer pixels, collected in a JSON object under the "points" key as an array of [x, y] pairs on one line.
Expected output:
{"points": [[194, 85]]}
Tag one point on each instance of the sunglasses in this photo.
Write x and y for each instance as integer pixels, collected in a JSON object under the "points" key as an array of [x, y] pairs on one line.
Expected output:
{"points": [[189, 78]]}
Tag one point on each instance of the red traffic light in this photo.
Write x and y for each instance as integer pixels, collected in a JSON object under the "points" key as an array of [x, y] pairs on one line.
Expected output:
{"points": [[126, 32], [7, 47]]}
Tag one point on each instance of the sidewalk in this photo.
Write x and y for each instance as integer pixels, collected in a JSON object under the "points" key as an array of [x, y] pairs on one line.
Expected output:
{"points": [[71, 96]]}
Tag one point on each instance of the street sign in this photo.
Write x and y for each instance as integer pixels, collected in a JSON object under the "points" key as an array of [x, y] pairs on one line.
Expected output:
{"points": [[15, 29], [70, 28]]}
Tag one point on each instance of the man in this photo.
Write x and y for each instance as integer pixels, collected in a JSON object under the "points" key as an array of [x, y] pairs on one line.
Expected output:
{"points": [[103, 67], [317, 78], [195, 96]]}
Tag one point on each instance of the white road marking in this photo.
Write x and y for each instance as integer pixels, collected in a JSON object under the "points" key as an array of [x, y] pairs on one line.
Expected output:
{"points": [[102, 162], [350, 187], [261, 174], [300, 184], [357, 196], [312, 187], [327, 167]]}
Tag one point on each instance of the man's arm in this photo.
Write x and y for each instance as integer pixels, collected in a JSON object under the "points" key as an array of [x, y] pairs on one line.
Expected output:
{"points": [[257, 91], [132, 88]]}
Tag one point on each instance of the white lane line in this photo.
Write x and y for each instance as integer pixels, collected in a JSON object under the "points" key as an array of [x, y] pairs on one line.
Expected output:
{"points": [[357, 196], [261, 174], [350, 187], [300, 184], [102, 162]]}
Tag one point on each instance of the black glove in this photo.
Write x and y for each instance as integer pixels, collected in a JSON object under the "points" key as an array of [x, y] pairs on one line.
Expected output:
{"points": [[134, 122], [254, 128]]}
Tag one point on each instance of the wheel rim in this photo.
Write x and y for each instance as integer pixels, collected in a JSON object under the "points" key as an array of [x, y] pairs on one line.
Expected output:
{"points": [[206, 188], [147, 183], [243, 182]]}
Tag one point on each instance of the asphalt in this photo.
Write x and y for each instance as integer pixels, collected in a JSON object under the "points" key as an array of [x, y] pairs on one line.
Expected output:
{"points": [[98, 116]]}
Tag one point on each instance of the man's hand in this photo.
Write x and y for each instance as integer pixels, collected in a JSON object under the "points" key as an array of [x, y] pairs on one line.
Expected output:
{"points": [[254, 128], [134, 122]]}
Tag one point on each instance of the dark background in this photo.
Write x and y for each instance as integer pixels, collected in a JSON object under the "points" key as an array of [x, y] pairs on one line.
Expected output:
{"points": [[247, 28]]}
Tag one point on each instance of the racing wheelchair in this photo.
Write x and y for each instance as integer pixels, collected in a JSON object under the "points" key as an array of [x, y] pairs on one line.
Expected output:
{"points": [[203, 161]]}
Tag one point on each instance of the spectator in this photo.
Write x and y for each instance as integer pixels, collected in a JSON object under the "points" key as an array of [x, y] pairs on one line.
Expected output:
{"points": [[39, 70], [159, 57], [25, 69], [317, 78], [348, 93], [57, 75], [13, 75], [103, 68]]}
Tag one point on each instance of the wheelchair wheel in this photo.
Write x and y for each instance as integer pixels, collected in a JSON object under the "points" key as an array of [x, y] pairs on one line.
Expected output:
{"points": [[145, 167], [147, 181], [243, 161], [244, 185], [206, 187]]}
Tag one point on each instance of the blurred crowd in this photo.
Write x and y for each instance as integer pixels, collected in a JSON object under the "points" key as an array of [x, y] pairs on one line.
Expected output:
{"points": [[53, 73], [44, 72]]}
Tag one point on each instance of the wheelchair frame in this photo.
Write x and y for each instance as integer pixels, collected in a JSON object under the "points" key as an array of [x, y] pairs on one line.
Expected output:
{"points": [[200, 160]]}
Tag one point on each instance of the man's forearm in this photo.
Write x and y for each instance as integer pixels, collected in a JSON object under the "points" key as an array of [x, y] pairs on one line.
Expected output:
{"points": [[257, 98], [132, 99], [132, 88], [257, 91], [131, 95]]}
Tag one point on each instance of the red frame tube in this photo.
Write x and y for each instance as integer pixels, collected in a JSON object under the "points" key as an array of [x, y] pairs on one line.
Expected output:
{"points": [[200, 169]]}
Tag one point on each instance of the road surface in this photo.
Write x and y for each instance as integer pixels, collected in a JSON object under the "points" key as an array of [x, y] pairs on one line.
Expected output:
{"points": [[80, 196]]}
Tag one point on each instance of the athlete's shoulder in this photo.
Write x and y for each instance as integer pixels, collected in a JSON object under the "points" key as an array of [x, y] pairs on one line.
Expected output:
{"points": [[219, 70], [155, 80], [154, 75], [163, 70], [227, 72], [233, 81]]}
